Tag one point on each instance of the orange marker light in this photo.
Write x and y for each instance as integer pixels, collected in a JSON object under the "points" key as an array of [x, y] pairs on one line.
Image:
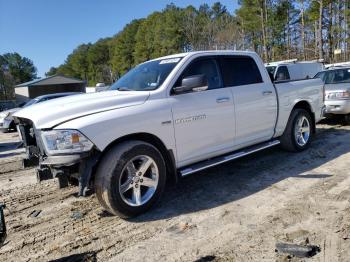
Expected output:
{"points": [[75, 138]]}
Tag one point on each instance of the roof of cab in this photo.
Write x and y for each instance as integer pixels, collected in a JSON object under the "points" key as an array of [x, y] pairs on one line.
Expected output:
{"points": [[209, 52]]}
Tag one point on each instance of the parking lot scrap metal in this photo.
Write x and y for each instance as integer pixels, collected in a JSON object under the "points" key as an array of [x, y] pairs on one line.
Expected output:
{"points": [[3, 233]]}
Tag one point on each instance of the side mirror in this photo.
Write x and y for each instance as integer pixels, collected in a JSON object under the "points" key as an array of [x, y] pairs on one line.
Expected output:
{"points": [[192, 83]]}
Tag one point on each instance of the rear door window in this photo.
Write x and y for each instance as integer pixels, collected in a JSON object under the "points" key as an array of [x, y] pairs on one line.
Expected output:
{"points": [[239, 70]]}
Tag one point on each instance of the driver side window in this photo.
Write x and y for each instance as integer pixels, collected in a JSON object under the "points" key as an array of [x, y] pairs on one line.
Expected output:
{"points": [[205, 67]]}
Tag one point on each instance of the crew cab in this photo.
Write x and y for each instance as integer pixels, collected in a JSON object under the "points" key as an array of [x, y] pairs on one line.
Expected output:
{"points": [[165, 119], [337, 91]]}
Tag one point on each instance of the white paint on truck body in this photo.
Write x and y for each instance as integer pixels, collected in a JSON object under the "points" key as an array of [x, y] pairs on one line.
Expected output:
{"points": [[196, 125]]}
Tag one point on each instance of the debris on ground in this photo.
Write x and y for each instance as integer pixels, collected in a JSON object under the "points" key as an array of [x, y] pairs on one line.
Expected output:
{"points": [[76, 215], [34, 213], [296, 250], [181, 227], [3, 233], [206, 259], [345, 233], [83, 257]]}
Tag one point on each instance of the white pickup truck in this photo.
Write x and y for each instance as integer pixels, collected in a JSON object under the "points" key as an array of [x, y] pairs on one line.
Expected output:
{"points": [[165, 119]]}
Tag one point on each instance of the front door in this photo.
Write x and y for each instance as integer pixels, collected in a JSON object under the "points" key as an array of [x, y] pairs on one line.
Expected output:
{"points": [[204, 120]]}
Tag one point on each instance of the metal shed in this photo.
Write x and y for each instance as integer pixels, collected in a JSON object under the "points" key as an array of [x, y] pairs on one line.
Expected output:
{"points": [[48, 85]]}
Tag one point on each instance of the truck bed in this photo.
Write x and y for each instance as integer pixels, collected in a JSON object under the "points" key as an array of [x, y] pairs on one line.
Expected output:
{"points": [[291, 92]]}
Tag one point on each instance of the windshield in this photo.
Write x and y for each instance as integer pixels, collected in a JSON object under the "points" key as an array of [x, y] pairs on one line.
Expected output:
{"points": [[146, 76], [30, 102], [335, 76]]}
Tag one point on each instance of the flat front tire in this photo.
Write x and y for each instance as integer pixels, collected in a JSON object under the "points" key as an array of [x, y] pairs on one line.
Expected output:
{"points": [[130, 178], [299, 131]]}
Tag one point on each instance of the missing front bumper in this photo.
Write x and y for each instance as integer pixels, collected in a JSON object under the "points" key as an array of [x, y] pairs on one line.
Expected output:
{"points": [[68, 169]]}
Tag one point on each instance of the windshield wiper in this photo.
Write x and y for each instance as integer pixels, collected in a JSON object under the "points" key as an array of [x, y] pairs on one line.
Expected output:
{"points": [[124, 89]]}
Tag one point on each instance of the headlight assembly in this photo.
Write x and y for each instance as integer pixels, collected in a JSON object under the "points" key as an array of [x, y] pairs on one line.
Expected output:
{"points": [[65, 142]]}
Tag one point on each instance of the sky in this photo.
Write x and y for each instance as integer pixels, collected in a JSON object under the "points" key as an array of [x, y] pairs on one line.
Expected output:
{"points": [[46, 31]]}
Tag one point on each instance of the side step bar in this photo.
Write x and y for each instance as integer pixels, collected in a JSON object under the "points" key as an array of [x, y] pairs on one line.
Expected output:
{"points": [[225, 158]]}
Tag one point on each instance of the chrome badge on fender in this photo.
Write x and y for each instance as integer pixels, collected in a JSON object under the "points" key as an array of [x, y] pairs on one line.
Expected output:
{"points": [[190, 119]]}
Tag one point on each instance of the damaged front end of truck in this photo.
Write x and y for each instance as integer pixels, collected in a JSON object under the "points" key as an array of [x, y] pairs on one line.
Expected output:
{"points": [[63, 154]]}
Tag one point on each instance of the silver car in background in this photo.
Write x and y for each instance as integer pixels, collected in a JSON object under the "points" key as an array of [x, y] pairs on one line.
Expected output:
{"points": [[6, 120], [337, 91]]}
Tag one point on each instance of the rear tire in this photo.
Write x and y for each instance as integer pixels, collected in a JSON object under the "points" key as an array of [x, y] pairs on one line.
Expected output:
{"points": [[130, 178], [299, 131]]}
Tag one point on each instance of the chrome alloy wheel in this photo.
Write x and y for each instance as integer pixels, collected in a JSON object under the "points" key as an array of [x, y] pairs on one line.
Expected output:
{"points": [[139, 180], [302, 131]]}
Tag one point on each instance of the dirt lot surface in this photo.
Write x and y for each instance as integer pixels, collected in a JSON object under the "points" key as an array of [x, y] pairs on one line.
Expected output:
{"points": [[234, 212]]}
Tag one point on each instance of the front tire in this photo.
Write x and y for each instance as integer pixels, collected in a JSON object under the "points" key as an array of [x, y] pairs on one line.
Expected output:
{"points": [[346, 119], [130, 178], [299, 131]]}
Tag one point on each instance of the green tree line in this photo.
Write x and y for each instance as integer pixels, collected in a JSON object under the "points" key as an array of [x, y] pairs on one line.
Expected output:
{"points": [[276, 29], [14, 69]]}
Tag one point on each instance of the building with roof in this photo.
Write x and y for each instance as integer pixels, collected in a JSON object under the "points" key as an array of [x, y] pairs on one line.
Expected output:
{"points": [[48, 85]]}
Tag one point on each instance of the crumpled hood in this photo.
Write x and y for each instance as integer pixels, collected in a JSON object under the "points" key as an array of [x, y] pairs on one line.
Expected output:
{"points": [[11, 111], [56, 111]]}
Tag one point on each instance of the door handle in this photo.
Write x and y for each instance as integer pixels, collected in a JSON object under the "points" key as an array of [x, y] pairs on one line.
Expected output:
{"points": [[266, 93], [222, 99]]}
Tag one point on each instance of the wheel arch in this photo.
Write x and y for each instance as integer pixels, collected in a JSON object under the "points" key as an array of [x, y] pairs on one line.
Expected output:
{"points": [[306, 106], [168, 154]]}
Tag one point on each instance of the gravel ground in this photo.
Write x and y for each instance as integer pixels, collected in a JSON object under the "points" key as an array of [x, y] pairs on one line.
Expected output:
{"points": [[235, 212]]}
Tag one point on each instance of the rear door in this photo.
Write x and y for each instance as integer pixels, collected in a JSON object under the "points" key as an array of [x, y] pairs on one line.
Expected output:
{"points": [[254, 100], [204, 120]]}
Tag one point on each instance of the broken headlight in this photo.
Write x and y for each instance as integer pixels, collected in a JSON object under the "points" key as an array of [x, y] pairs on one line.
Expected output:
{"points": [[65, 142]]}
